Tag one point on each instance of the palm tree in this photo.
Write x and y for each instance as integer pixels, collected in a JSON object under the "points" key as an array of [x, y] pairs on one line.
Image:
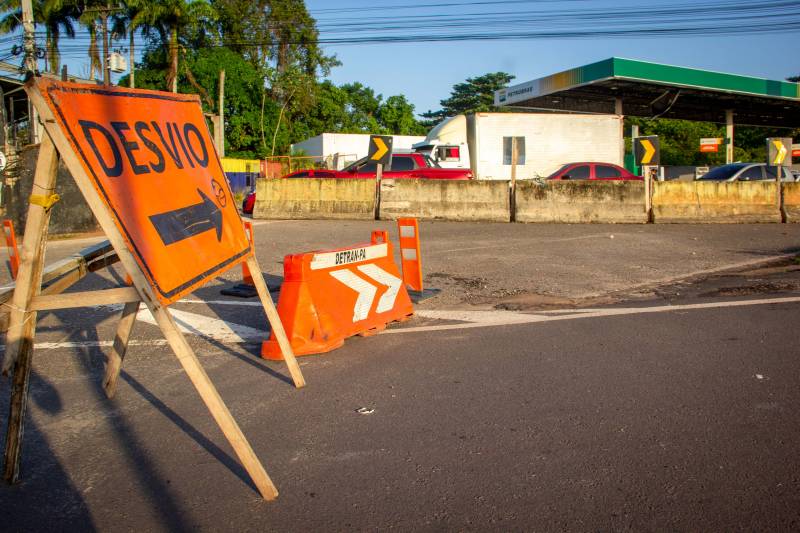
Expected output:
{"points": [[168, 18], [56, 16]]}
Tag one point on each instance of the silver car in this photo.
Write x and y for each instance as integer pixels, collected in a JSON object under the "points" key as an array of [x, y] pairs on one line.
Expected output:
{"points": [[748, 172]]}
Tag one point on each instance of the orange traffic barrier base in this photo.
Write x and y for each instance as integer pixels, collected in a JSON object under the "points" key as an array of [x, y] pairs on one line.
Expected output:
{"points": [[328, 296]]}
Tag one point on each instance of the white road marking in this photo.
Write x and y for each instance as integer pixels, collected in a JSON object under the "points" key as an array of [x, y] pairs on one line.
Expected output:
{"points": [[242, 303], [95, 344], [209, 327], [482, 319]]}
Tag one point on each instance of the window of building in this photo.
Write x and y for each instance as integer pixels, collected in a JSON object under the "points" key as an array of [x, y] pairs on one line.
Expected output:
{"points": [[507, 146]]}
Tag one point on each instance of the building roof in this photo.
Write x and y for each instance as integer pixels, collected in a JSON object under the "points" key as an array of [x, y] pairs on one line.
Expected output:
{"points": [[652, 89]]}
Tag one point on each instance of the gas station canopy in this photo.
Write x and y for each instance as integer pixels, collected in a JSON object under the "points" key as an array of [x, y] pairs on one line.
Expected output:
{"points": [[642, 89]]}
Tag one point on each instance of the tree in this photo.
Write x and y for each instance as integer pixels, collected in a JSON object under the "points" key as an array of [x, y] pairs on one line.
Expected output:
{"points": [[396, 116], [57, 17], [472, 96], [169, 19]]}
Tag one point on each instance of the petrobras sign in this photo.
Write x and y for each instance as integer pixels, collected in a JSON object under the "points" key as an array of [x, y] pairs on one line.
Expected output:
{"points": [[517, 93]]}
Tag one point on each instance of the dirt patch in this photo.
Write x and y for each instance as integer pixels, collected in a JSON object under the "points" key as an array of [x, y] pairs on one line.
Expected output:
{"points": [[535, 302], [755, 288]]}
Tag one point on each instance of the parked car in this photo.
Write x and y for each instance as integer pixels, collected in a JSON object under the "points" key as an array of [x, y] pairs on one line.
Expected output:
{"points": [[404, 166], [592, 171], [249, 203], [747, 172]]}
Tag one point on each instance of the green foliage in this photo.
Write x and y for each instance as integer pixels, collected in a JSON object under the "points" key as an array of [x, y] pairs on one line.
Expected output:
{"points": [[472, 96], [396, 115]]}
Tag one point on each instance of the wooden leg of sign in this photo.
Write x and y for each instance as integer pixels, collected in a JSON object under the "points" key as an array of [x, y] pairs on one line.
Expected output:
{"points": [[117, 354], [275, 323], [22, 323], [214, 402]]}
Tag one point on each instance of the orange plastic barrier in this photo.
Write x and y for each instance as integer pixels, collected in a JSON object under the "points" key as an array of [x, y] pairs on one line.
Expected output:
{"points": [[330, 295], [11, 243], [410, 258]]}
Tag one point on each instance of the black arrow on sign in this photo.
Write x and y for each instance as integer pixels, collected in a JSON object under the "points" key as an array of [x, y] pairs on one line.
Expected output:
{"points": [[175, 226]]}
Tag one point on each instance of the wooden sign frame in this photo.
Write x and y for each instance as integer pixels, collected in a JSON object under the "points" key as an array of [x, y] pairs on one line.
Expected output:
{"points": [[28, 299]]}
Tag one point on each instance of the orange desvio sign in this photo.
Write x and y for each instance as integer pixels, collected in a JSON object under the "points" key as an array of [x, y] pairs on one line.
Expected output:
{"points": [[150, 157]]}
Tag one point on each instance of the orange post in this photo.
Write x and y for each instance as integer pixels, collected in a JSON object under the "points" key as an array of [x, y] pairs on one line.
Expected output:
{"points": [[11, 243], [410, 258]]}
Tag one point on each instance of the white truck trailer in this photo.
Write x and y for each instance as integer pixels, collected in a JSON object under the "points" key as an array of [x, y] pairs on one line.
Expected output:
{"points": [[338, 150], [545, 141]]}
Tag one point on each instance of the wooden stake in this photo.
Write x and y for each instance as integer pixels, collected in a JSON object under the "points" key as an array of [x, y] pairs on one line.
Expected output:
{"points": [[29, 277], [82, 299], [275, 323], [120, 347], [22, 323]]}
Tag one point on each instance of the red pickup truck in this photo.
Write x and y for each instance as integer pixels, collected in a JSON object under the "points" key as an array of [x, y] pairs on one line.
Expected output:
{"points": [[404, 166]]}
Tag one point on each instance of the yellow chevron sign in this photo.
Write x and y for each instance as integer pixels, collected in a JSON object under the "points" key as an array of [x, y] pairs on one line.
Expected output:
{"points": [[380, 149], [779, 151], [647, 150]]}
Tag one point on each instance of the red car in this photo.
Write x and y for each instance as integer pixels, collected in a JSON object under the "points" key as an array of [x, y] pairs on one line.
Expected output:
{"points": [[592, 171], [404, 166]]}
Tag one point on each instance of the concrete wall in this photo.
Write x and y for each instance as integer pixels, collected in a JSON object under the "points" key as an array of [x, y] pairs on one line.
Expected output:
{"points": [[314, 198], [70, 215], [556, 202], [581, 201], [445, 200], [791, 201], [700, 201]]}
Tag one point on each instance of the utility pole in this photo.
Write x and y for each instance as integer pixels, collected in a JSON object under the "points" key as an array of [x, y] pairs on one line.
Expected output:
{"points": [[104, 12], [132, 68], [29, 42], [106, 66], [220, 130]]}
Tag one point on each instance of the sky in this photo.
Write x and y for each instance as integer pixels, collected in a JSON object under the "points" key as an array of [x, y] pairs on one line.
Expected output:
{"points": [[426, 72]]}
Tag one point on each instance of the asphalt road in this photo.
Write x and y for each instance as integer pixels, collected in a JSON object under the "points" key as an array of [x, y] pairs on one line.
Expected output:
{"points": [[673, 407]]}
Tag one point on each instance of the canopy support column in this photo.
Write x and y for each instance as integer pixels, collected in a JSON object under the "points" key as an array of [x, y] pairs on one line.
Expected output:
{"points": [[729, 136]]}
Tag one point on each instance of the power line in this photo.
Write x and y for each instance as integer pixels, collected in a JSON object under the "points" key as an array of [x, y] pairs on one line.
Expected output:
{"points": [[700, 18]]}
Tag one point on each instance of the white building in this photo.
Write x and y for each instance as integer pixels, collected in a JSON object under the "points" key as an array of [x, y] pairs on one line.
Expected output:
{"points": [[338, 150]]}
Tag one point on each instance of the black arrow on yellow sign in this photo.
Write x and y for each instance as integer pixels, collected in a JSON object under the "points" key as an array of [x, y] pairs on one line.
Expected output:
{"points": [[647, 151], [380, 149]]}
